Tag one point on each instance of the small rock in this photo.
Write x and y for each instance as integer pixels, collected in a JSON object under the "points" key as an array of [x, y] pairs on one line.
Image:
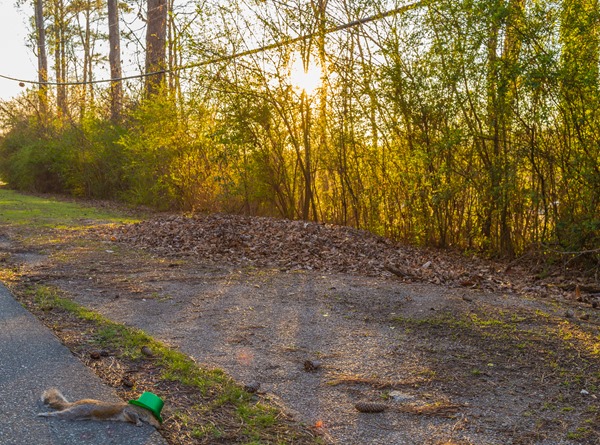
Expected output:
{"points": [[426, 265], [569, 313], [584, 392], [398, 396], [95, 355], [252, 387], [147, 351], [312, 365], [127, 383]]}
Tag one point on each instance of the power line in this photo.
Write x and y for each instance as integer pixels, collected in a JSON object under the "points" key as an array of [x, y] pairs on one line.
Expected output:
{"points": [[304, 37], [219, 59], [87, 82]]}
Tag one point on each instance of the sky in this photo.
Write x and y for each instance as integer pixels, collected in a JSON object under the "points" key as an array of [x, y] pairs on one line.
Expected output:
{"points": [[16, 60]]}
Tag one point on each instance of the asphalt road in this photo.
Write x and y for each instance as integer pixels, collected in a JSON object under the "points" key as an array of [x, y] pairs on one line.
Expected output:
{"points": [[31, 360]]}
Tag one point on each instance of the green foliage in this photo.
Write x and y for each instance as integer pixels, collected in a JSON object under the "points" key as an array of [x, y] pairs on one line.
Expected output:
{"points": [[80, 159], [93, 161], [170, 161], [476, 128], [28, 160]]}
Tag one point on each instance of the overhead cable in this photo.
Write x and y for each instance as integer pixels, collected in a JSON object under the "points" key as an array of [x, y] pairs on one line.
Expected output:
{"points": [[225, 58]]}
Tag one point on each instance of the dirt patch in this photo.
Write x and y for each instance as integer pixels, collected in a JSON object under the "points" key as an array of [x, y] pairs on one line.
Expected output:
{"points": [[514, 368]]}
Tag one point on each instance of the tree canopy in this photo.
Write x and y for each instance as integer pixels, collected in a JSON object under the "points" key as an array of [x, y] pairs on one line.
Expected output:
{"points": [[456, 123]]}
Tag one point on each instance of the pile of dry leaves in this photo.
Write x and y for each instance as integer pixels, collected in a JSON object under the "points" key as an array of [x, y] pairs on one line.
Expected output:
{"points": [[300, 245]]}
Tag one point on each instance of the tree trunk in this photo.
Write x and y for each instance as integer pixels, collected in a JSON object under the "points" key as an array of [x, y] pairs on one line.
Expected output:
{"points": [[114, 55], [491, 141], [42, 58], [86, 96], [174, 56], [507, 93], [156, 33], [308, 201], [89, 51], [60, 63], [322, 128], [501, 87]]}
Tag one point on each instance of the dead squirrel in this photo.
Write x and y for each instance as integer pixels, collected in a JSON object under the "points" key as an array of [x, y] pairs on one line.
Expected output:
{"points": [[90, 409]]}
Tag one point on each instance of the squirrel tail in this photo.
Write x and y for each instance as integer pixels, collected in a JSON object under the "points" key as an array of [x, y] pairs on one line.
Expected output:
{"points": [[54, 399]]}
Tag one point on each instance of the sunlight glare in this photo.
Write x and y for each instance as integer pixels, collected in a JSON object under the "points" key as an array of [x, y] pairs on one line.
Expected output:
{"points": [[307, 80]]}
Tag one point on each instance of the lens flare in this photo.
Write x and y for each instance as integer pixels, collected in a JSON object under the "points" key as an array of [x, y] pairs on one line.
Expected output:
{"points": [[305, 78]]}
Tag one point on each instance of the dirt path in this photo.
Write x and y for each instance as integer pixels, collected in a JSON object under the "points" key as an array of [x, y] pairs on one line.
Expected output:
{"points": [[480, 368]]}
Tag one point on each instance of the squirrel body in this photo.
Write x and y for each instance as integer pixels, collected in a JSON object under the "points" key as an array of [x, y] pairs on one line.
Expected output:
{"points": [[90, 409]]}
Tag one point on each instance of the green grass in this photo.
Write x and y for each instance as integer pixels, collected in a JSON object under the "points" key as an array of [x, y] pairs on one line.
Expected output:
{"points": [[510, 327], [560, 346], [580, 433], [176, 366], [20, 209], [219, 389]]}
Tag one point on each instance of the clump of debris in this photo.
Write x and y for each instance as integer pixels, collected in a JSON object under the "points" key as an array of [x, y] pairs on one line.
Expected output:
{"points": [[301, 245]]}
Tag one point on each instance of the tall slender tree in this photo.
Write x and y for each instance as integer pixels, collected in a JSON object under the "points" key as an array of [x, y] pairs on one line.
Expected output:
{"points": [[60, 41], [156, 40], [174, 49], [42, 58], [114, 56], [84, 10]]}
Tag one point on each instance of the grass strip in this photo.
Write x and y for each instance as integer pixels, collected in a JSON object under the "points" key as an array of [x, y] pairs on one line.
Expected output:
{"points": [[29, 210], [212, 406]]}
